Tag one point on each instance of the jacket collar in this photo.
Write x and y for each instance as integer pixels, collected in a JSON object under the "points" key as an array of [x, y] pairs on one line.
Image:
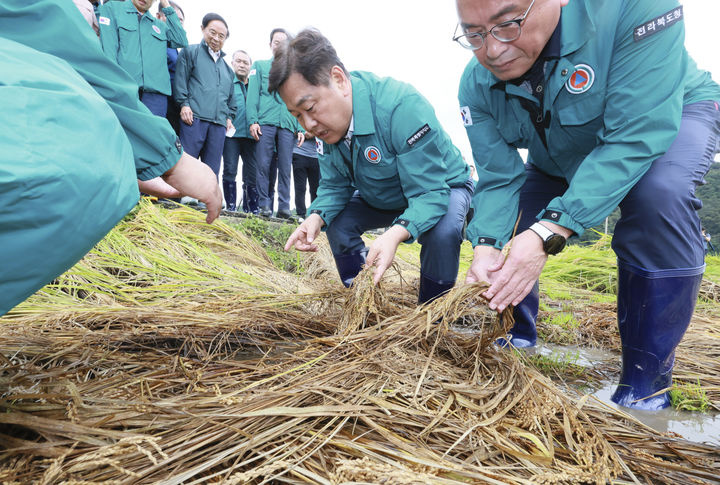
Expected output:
{"points": [[206, 48], [130, 8], [362, 107]]}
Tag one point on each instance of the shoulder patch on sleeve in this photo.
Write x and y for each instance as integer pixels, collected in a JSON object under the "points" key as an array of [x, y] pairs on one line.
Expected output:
{"points": [[466, 116], [319, 146], [653, 26], [418, 135], [252, 72], [103, 20]]}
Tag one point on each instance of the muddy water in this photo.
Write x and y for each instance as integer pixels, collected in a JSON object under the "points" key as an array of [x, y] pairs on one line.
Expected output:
{"points": [[693, 426]]}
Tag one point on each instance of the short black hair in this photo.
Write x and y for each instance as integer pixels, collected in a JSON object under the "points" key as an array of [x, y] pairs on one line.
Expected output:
{"points": [[213, 16], [276, 30], [310, 54]]}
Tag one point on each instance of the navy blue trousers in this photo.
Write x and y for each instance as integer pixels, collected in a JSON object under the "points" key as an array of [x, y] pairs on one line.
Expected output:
{"points": [[204, 140], [234, 149], [659, 228], [280, 140], [156, 103], [440, 252]]}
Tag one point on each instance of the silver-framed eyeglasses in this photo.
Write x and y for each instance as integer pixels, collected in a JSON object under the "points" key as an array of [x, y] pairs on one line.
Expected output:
{"points": [[504, 32]]}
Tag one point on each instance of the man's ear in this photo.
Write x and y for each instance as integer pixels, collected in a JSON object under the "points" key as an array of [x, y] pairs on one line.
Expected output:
{"points": [[340, 79]]}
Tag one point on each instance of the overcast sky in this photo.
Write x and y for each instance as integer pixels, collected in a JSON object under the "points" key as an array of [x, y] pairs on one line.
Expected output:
{"points": [[409, 40]]}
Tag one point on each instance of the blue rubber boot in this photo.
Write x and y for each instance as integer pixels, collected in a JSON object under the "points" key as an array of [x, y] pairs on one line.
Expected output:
{"points": [[245, 199], [349, 265], [230, 193], [253, 206], [431, 289], [524, 334], [654, 311]]}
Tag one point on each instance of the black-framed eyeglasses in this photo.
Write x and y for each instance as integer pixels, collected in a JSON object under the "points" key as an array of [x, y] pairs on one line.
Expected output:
{"points": [[504, 32]]}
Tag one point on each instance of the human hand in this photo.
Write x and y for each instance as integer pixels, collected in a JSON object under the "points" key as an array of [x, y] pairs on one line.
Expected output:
{"points": [[164, 3], [382, 250], [511, 278], [303, 236], [186, 115], [159, 188], [484, 257], [229, 127], [301, 138], [192, 177], [255, 131]]}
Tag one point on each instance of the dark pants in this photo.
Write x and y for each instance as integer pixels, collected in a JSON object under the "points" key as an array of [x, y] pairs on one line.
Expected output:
{"points": [[204, 140], [306, 170], [173, 115], [278, 140], [234, 149], [155, 102], [440, 252], [659, 228]]}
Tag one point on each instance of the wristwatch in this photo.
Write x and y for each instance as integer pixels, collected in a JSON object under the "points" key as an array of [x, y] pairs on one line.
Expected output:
{"points": [[553, 243]]}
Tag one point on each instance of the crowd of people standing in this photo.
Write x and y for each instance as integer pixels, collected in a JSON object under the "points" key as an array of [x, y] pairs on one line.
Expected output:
{"points": [[221, 111]]}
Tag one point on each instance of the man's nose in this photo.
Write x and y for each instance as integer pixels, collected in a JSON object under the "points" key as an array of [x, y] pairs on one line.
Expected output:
{"points": [[308, 122], [493, 47]]}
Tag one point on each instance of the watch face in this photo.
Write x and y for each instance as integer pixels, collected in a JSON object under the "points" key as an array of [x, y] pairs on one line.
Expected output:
{"points": [[554, 244]]}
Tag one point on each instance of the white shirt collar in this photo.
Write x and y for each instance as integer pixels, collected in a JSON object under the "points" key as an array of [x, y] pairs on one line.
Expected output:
{"points": [[348, 136]]}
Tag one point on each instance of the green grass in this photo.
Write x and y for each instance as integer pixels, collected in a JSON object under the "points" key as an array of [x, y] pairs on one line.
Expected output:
{"points": [[564, 320], [557, 363], [272, 237], [689, 397]]}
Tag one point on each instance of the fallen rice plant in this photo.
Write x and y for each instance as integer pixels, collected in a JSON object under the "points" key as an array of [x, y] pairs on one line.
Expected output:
{"points": [[177, 353]]}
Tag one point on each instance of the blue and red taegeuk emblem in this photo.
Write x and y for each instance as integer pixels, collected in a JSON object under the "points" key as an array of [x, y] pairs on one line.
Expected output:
{"points": [[581, 79], [372, 154]]}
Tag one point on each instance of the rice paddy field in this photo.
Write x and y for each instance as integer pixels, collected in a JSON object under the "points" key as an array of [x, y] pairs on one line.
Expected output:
{"points": [[178, 352]]}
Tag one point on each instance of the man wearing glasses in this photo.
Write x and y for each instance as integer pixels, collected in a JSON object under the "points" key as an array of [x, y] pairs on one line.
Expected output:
{"points": [[613, 113]]}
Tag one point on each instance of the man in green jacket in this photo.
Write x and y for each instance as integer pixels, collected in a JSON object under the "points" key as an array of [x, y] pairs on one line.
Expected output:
{"points": [[613, 112], [385, 161], [272, 127], [240, 144], [138, 42], [205, 92], [67, 180]]}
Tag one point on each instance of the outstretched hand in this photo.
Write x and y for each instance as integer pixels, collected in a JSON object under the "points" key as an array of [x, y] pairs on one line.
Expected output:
{"points": [[193, 178], [304, 235], [382, 250]]}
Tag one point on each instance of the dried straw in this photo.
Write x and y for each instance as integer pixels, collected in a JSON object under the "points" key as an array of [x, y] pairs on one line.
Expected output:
{"points": [[124, 373]]}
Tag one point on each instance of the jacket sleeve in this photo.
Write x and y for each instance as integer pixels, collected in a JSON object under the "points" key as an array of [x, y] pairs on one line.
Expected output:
{"points": [[500, 170], [252, 103], [232, 97], [183, 67], [108, 32], [54, 27], [643, 108], [417, 140], [176, 35]]}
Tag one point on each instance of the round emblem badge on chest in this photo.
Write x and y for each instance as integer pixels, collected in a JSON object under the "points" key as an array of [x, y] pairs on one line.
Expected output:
{"points": [[581, 79], [372, 155], [156, 29]]}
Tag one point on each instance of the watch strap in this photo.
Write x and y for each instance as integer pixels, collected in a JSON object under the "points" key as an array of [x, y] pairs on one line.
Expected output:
{"points": [[541, 231]]}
